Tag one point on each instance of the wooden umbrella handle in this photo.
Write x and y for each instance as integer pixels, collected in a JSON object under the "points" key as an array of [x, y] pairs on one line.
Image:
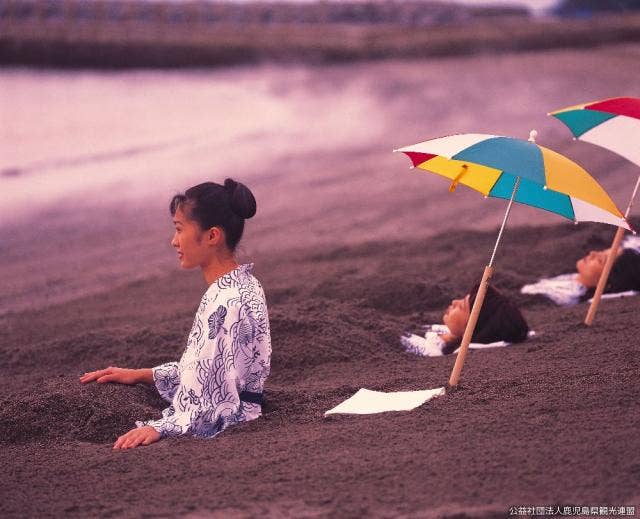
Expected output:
{"points": [[471, 326], [604, 277]]}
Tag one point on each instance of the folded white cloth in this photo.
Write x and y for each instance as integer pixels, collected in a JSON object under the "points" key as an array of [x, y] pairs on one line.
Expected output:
{"points": [[431, 344], [616, 295], [563, 290], [631, 241], [366, 401]]}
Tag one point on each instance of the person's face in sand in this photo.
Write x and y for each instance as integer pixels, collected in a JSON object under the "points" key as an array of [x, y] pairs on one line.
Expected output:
{"points": [[195, 247], [590, 267], [457, 316]]}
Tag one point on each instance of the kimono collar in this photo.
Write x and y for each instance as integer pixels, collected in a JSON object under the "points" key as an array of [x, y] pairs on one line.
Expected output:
{"points": [[245, 269], [233, 277]]}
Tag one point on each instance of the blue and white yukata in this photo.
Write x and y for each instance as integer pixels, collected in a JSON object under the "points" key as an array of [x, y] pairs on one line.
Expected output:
{"points": [[219, 380]]}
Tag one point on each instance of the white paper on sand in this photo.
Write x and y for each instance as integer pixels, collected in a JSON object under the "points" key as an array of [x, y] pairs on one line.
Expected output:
{"points": [[366, 401]]}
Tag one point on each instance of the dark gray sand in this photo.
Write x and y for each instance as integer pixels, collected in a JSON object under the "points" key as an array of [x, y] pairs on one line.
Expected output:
{"points": [[550, 421]]}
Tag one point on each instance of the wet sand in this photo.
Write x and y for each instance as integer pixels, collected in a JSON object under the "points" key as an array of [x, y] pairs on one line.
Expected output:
{"points": [[352, 250]]}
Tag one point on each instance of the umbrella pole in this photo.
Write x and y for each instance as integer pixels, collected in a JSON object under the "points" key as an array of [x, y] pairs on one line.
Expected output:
{"points": [[477, 304], [613, 253]]}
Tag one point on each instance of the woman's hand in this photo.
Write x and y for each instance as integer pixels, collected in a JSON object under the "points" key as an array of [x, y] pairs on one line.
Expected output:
{"points": [[140, 436], [119, 375]]}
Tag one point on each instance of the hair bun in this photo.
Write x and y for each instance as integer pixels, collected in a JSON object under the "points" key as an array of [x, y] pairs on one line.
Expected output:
{"points": [[241, 199]]}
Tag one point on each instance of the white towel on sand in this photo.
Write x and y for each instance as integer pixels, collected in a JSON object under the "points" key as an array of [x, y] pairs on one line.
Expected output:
{"points": [[431, 344], [366, 401], [616, 295]]}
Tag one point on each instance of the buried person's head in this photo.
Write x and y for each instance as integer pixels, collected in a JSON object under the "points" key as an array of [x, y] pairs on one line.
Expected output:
{"points": [[457, 314], [499, 320], [625, 272], [209, 221], [590, 266], [572, 288], [624, 275]]}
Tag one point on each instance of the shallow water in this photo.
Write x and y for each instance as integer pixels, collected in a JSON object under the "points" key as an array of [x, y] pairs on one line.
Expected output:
{"points": [[95, 137], [141, 134]]}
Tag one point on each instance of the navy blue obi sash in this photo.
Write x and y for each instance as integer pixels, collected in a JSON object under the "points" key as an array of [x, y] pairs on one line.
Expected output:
{"points": [[253, 398]]}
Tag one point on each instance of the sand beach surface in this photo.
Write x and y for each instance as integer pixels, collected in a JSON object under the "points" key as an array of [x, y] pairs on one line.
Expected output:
{"points": [[353, 249]]}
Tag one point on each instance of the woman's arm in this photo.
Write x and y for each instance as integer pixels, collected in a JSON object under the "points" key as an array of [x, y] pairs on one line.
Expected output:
{"points": [[119, 375], [139, 436], [206, 396]]}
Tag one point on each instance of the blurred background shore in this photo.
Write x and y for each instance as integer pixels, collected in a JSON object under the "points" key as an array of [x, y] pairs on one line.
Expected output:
{"points": [[157, 34]]}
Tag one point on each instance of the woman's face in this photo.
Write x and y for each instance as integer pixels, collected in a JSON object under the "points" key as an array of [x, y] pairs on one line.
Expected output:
{"points": [[457, 316], [189, 241], [590, 267]]}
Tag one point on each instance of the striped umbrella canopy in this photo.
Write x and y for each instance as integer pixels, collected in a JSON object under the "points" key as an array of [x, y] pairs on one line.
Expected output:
{"points": [[492, 164], [612, 123]]}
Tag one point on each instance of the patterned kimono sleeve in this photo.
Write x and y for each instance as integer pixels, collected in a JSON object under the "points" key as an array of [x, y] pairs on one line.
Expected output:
{"points": [[166, 379], [206, 399]]}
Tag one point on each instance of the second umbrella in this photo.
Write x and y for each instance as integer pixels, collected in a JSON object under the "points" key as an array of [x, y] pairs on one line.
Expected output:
{"points": [[613, 124]]}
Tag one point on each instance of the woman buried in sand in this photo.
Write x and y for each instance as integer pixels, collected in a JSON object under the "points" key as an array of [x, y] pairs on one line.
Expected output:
{"points": [[219, 380], [570, 289], [499, 323]]}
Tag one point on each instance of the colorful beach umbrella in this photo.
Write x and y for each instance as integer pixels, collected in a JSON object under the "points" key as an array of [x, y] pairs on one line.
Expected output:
{"points": [[520, 171], [491, 165], [613, 124]]}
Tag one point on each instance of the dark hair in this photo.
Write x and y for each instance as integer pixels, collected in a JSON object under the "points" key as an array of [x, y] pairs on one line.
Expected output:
{"points": [[214, 205], [625, 272], [499, 320], [624, 275]]}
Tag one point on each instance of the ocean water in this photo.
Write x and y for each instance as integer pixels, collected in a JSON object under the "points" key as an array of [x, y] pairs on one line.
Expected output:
{"points": [[93, 137], [83, 139]]}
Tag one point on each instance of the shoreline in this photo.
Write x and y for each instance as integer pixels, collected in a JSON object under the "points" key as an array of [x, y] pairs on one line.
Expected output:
{"points": [[112, 47]]}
